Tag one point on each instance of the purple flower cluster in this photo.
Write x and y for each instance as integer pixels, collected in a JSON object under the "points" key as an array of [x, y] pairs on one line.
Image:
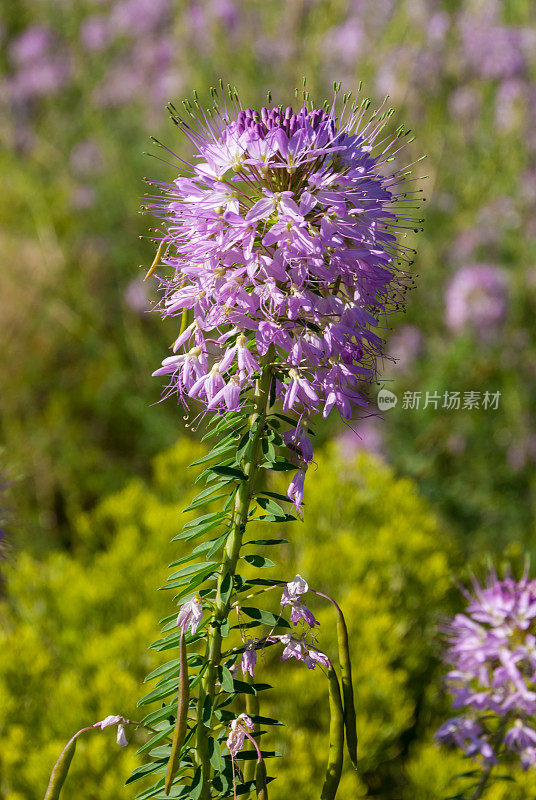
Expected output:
{"points": [[298, 647], [282, 250], [492, 649]]}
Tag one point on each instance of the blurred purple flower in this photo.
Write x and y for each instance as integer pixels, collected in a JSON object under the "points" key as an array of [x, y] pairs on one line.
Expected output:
{"points": [[477, 298], [491, 51], [86, 157], [465, 103], [466, 733], [510, 103], [405, 346], [136, 296], [364, 435], [492, 651], [32, 45], [137, 17], [94, 33]]}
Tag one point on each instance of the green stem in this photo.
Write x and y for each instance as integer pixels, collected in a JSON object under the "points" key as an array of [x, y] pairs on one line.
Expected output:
{"points": [[230, 559], [252, 710], [497, 742]]}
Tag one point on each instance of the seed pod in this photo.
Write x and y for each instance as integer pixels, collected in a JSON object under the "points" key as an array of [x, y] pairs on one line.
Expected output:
{"points": [[350, 722], [336, 739], [179, 734], [260, 781], [157, 259], [61, 768]]}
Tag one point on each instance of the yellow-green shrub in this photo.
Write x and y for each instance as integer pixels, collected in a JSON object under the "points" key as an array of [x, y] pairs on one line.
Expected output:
{"points": [[76, 630]]}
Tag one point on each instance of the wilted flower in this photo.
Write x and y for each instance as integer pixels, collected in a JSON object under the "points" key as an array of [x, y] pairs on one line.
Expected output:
{"points": [[115, 720], [281, 247], [190, 615], [235, 740], [477, 297], [492, 649]]}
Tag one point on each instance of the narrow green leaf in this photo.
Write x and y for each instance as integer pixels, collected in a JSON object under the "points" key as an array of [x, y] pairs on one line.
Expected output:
{"points": [[226, 587], [269, 505], [279, 464], [217, 544], [191, 569], [264, 617], [226, 679], [229, 472], [144, 770], [266, 542], [206, 713], [214, 750], [165, 733], [258, 561]]}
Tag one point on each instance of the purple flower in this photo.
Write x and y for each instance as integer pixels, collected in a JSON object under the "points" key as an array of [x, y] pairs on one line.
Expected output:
{"points": [[405, 346], [466, 733], [249, 660], [301, 651], [279, 244], [492, 652], [292, 597], [520, 736], [235, 740], [295, 489], [477, 298], [190, 615]]}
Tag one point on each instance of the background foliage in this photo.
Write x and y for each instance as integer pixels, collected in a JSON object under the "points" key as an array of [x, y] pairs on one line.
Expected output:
{"points": [[75, 629], [82, 86]]}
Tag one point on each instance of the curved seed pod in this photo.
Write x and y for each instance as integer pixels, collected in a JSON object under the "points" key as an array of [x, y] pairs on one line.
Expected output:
{"points": [[336, 739], [350, 721], [179, 734], [61, 768], [157, 259], [260, 780]]}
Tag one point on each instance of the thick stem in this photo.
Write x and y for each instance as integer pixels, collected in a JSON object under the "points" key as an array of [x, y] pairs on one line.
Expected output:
{"points": [[230, 559], [479, 791], [497, 742]]}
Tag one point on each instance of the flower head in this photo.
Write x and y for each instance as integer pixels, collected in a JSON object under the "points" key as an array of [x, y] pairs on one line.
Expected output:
{"points": [[492, 652], [190, 615], [280, 246]]}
